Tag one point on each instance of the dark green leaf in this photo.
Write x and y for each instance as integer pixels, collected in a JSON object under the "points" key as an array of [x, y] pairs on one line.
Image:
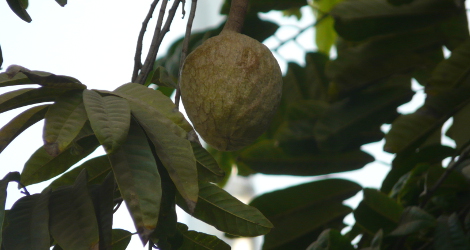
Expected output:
{"points": [[377, 240], [97, 168], [218, 208], [41, 166], [458, 130], [138, 179], [455, 29], [28, 223], [377, 211], [266, 157], [73, 223], [331, 239], [23, 97], [19, 9], [103, 203], [360, 19], [44, 79], [109, 117], [61, 2], [200, 241], [449, 234], [12, 176], [267, 5], [161, 77], [413, 220], [20, 123], [175, 152], [304, 196], [208, 168], [63, 122], [1, 57], [121, 239]]}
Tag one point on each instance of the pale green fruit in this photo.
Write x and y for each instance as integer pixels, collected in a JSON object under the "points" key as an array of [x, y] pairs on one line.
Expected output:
{"points": [[231, 86]]}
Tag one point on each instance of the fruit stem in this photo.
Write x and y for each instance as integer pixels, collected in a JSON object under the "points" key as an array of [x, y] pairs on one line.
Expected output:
{"points": [[236, 16]]}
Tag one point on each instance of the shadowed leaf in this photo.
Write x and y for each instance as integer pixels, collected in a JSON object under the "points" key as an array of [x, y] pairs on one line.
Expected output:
{"points": [[200, 241], [208, 168], [449, 234], [103, 203], [413, 220], [22, 97], [45, 79], [331, 239], [121, 239], [20, 10], [12, 176]]}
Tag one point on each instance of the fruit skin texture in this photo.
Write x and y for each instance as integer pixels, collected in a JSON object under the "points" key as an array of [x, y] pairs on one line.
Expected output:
{"points": [[231, 87]]}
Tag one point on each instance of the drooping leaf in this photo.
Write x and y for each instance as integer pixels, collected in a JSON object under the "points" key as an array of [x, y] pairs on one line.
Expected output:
{"points": [[73, 223], [28, 223], [377, 211], [138, 179], [218, 208], [121, 239], [109, 117], [44, 79], [20, 123], [27, 96], [265, 157], [156, 100], [331, 239], [304, 196], [103, 203], [63, 122], [175, 152], [19, 9], [41, 166], [359, 19], [413, 220], [208, 168], [306, 223], [449, 234], [200, 241], [97, 168], [12, 176]]}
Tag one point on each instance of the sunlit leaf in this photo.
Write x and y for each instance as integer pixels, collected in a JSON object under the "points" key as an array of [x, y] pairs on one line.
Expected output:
{"points": [[28, 223], [218, 208], [138, 179], [41, 166], [19, 10], [325, 34], [413, 220], [20, 123], [63, 122], [200, 241], [109, 117], [73, 223], [331, 239], [175, 152], [27, 96]]}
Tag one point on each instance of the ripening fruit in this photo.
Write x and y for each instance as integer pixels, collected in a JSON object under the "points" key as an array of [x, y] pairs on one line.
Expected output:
{"points": [[231, 86]]}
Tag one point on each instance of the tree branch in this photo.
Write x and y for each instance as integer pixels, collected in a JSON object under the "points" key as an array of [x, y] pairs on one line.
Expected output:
{"points": [[184, 51], [138, 51]]}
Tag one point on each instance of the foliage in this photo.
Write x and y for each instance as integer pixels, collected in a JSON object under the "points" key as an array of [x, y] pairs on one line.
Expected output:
{"points": [[329, 109]]}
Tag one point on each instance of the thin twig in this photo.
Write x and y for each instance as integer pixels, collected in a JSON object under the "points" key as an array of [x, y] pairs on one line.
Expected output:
{"points": [[184, 51], [301, 31], [171, 15], [25, 191], [154, 46], [138, 51]]}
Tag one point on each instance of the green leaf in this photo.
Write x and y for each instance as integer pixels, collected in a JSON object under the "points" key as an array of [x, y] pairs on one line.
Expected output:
{"points": [[44, 79], [63, 122], [12, 176], [41, 166], [218, 208], [20, 123], [265, 157], [23, 97], [73, 223], [175, 152], [121, 239], [109, 117], [200, 241], [298, 226], [154, 99], [412, 220], [61, 2], [377, 211], [449, 234], [359, 19], [208, 168], [304, 196], [325, 34], [138, 179], [161, 77], [97, 168], [19, 9], [377, 240], [458, 130], [331, 239], [103, 203], [28, 223]]}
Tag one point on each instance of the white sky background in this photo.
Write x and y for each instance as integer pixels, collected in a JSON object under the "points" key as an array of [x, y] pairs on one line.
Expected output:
{"points": [[94, 41]]}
